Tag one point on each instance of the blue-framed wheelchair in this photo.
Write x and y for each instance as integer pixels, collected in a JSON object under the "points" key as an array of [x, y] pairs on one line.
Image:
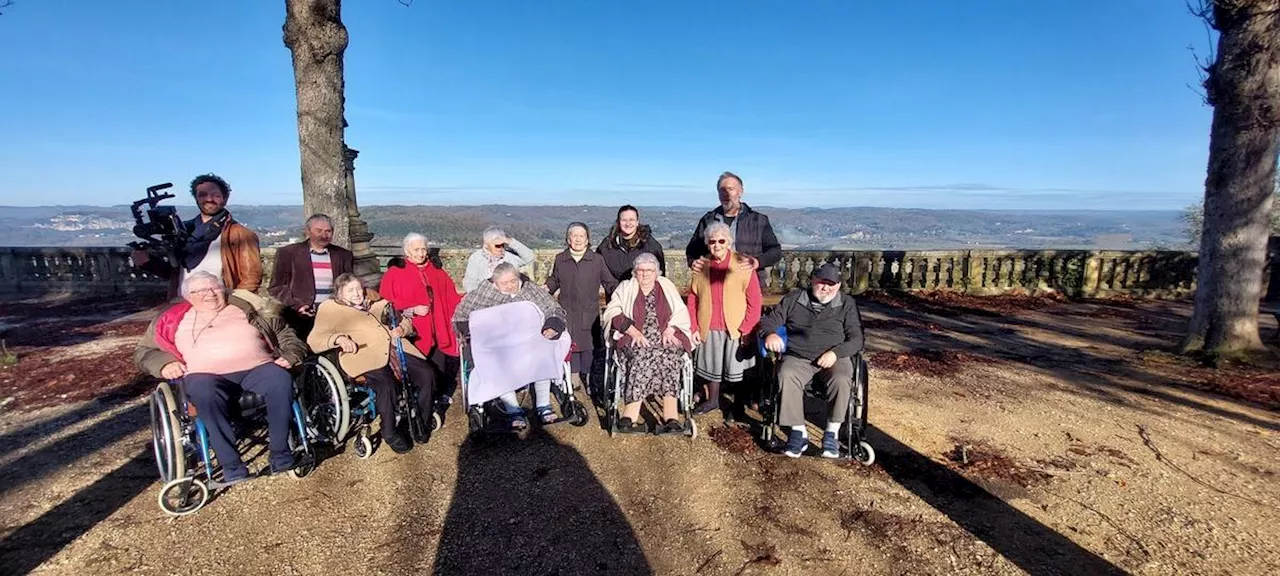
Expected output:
{"points": [[852, 435], [358, 423], [614, 385], [180, 442]]}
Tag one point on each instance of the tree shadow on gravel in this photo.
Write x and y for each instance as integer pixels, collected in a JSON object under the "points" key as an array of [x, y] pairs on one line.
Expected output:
{"points": [[1020, 538], [533, 506]]}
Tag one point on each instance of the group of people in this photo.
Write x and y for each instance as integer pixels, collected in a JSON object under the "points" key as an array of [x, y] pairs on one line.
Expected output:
{"points": [[222, 338]]}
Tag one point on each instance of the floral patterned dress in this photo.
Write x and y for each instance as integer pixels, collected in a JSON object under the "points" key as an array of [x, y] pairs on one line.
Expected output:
{"points": [[655, 370]]}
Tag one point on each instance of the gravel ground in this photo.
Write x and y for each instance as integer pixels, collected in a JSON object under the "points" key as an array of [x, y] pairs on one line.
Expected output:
{"points": [[1047, 444]]}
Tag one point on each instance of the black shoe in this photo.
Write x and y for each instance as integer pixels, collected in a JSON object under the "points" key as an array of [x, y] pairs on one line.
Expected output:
{"points": [[626, 426], [299, 461], [670, 427], [398, 443]]}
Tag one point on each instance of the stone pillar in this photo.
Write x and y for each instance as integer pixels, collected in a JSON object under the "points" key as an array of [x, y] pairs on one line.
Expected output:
{"points": [[366, 264]]}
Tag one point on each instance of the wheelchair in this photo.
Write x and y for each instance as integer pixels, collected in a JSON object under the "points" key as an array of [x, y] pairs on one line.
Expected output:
{"points": [[613, 388], [485, 417], [852, 435], [180, 441], [361, 401]]}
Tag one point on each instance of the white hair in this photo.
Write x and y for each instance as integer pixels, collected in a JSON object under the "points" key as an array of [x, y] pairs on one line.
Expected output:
{"points": [[493, 233], [646, 258], [716, 228], [412, 238], [201, 275]]}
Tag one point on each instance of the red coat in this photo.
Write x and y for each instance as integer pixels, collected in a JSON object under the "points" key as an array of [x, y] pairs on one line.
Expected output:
{"points": [[406, 285]]}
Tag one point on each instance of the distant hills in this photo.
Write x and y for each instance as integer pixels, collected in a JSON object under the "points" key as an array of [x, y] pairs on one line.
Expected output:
{"points": [[543, 226]]}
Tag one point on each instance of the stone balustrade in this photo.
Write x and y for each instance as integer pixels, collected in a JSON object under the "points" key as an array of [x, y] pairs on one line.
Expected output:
{"points": [[1149, 274]]}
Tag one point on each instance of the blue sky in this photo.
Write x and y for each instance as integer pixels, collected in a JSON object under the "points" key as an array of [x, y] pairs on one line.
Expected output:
{"points": [[1002, 104]]}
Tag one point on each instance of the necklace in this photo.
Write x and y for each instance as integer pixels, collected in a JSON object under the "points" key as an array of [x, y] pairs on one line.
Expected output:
{"points": [[195, 334]]}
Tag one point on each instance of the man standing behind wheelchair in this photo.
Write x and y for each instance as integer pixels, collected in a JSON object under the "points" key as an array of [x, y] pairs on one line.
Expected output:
{"points": [[221, 346], [824, 332], [351, 323], [216, 243]]}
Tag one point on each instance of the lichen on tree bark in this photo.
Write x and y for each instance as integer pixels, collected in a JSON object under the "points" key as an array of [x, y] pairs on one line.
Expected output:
{"points": [[315, 35]]}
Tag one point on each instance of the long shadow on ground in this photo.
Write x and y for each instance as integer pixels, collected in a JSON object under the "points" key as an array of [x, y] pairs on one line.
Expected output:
{"points": [[1021, 539], [533, 506], [24, 549]]}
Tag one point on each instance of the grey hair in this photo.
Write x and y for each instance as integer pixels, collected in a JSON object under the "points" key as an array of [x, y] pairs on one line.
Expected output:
{"points": [[726, 174], [646, 258], [493, 233], [718, 227], [201, 275], [411, 238], [317, 217], [504, 269]]}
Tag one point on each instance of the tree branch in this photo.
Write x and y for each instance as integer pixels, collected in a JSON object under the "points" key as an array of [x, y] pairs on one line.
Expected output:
{"points": [[7, 3]]}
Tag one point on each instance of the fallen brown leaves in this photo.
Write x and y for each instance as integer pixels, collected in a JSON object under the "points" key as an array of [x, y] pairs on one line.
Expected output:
{"points": [[952, 304], [927, 362], [45, 376], [983, 460], [1260, 384], [733, 439]]}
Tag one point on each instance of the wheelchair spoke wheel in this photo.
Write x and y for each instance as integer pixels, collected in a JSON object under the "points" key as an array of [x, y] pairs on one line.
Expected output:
{"points": [[323, 395], [166, 434], [183, 496]]}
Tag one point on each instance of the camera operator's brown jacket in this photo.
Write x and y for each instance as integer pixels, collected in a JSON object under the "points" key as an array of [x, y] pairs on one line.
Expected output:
{"points": [[241, 261]]}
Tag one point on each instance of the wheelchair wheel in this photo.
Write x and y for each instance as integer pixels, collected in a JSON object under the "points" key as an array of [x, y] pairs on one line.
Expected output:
{"points": [[323, 395], [579, 417], [475, 421], [166, 434], [436, 422], [693, 429], [863, 453], [363, 446], [183, 496], [296, 446]]}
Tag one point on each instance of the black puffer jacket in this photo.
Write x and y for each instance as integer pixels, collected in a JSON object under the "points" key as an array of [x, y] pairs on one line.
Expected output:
{"points": [[619, 254]]}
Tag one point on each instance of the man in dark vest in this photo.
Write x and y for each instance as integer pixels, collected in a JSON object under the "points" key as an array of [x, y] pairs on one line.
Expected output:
{"points": [[754, 237], [303, 274]]}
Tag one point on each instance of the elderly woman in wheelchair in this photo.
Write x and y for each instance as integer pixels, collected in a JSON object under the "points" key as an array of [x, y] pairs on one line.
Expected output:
{"points": [[215, 348], [648, 325], [507, 287], [367, 351]]}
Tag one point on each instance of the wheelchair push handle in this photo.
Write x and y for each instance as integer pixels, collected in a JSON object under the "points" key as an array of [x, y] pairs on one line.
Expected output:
{"points": [[765, 352]]}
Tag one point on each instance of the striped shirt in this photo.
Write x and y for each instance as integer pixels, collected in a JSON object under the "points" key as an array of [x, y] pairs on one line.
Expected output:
{"points": [[322, 270]]}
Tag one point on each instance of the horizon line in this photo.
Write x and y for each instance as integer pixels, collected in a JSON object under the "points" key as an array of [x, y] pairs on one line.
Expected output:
{"points": [[761, 207]]}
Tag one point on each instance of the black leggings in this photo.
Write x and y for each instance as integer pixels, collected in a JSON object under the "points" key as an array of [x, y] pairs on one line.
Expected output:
{"points": [[422, 374]]}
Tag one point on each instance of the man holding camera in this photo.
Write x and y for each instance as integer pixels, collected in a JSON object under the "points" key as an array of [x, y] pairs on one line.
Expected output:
{"points": [[215, 243], [303, 273]]}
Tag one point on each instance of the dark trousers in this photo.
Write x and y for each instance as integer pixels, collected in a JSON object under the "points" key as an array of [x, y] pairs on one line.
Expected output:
{"points": [[214, 395], [422, 374], [581, 361]]}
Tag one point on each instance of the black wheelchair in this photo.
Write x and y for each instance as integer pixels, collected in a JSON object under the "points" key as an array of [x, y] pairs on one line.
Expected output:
{"points": [[852, 435]]}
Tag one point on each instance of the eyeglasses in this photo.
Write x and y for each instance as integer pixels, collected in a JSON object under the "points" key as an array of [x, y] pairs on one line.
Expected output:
{"points": [[717, 241], [646, 271], [203, 291]]}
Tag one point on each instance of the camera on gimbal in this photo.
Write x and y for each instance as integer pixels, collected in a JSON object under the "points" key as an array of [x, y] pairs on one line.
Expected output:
{"points": [[162, 229]]}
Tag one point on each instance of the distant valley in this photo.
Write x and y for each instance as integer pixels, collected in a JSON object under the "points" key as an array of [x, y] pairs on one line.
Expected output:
{"points": [[543, 226]]}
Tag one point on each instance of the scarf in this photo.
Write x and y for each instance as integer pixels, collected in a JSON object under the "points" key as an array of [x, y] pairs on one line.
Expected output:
{"points": [[577, 256], [494, 261], [202, 235]]}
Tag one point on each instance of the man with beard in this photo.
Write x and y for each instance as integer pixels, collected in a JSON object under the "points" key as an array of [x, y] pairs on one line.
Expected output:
{"points": [[824, 332], [302, 275], [216, 243], [753, 234]]}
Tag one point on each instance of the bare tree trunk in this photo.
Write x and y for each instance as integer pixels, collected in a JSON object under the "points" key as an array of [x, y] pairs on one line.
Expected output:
{"points": [[314, 33], [1243, 86]]}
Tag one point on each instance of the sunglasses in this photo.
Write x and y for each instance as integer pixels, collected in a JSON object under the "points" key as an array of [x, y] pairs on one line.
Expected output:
{"points": [[717, 241], [500, 245]]}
